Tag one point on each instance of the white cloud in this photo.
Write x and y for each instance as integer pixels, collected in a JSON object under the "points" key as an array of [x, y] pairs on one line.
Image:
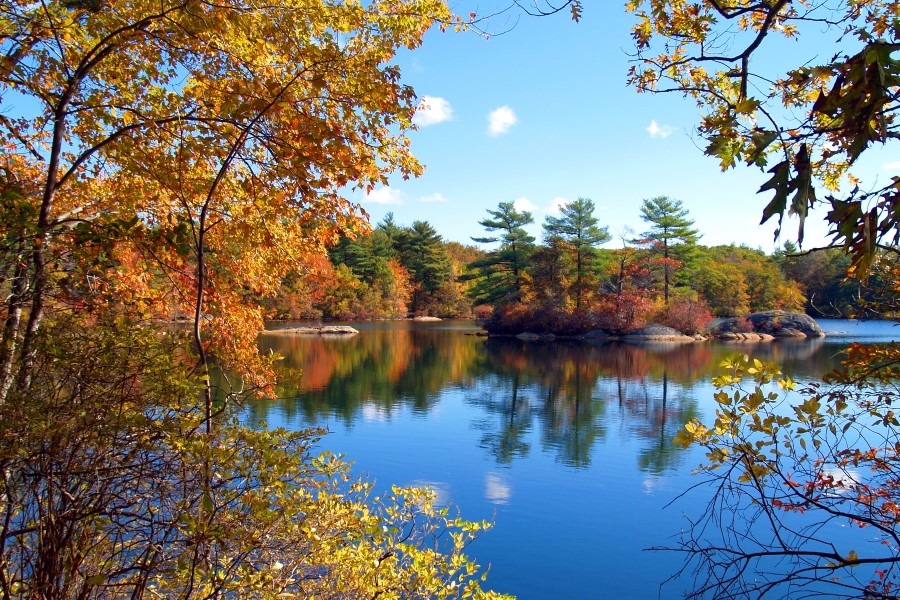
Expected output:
{"points": [[523, 203], [659, 131], [377, 414], [501, 120], [497, 489], [556, 205], [891, 166], [385, 195], [845, 479], [432, 110], [433, 198]]}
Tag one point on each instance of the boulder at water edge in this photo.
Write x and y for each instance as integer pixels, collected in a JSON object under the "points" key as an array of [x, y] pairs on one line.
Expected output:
{"points": [[316, 330], [658, 333], [777, 323]]}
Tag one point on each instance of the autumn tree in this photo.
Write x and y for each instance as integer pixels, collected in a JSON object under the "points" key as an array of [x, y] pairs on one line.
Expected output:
{"points": [[625, 302], [549, 271], [578, 229], [791, 469], [735, 280], [193, 148], [671, 234], [180, 157], [501, 275], [829, 288]]}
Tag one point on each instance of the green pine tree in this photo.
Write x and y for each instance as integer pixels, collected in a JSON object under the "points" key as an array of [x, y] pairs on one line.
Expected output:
{"points": [[500, 276], [577, 228], [671, 234]]}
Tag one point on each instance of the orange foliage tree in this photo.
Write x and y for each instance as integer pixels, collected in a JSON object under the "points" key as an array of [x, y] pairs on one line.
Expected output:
{"points": [[189, 152], [179, 157]]}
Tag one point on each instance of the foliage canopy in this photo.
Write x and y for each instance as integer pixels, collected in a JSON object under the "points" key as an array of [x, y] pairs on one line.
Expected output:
{"points": [[175, 159], [807, 125]]}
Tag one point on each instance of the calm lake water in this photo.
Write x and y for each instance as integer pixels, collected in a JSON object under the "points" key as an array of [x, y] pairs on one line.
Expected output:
{"points": [[565, 446]]}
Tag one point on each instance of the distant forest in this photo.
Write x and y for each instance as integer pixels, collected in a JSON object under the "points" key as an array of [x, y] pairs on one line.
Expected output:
{"points": [[662, 274]]}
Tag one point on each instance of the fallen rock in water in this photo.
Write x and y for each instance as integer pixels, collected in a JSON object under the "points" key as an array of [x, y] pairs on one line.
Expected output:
{"points": [[777, 323], [658, 333], [427, 319], [316, 330]]}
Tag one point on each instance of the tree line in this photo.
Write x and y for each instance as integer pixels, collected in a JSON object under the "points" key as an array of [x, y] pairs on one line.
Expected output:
{"points": [[661, 274]]}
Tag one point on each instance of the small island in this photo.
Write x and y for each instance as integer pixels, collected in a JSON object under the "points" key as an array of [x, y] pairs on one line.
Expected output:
{"points": [[759, 326]]}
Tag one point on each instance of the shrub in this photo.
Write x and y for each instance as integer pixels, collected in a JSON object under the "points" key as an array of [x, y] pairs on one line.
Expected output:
{"points": [[483, 312], [517, 318], [742, 325], [685, 315], [622, 313]]}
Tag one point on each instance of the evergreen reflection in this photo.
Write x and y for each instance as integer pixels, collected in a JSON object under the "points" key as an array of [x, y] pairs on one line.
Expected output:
{"points": [[559, 397], [576, 383], [513, 412]]}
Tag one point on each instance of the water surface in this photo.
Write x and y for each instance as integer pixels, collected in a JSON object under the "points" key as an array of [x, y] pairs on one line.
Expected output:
{"points": [[565, 445]]}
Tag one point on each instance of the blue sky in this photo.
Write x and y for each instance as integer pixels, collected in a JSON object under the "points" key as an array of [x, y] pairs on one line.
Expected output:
{"points": [[565, 125]]}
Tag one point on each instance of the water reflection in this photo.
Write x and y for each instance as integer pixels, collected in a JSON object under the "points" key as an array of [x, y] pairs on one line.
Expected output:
{"points": [[497, 488], [371, 374], [566, 446], [560, 397], [576, 392]]}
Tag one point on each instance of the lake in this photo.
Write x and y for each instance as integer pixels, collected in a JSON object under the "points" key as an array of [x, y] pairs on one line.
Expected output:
{"points": [[566, 446]]}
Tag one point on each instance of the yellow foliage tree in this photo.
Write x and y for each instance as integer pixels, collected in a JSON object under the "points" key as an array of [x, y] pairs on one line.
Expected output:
{"points": [[180, 156]]}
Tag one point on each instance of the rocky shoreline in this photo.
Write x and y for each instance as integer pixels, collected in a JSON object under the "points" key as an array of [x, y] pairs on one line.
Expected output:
{"points": [[314, 330], [762, 326]]}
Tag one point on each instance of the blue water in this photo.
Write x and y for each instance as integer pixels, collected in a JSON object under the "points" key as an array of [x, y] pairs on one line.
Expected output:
{"points": [[566, 447], [846, 330]]}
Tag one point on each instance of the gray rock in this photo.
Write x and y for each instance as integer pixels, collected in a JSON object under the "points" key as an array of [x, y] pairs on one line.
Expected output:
{"points": [[778, 323], [597, 334], [534, 337], [789, 332], [730, 336], [658, 333], [527, 336], [315, 330]]}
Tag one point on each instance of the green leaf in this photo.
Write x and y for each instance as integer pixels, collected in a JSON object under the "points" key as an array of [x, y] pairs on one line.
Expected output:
{"points": [[207, 503], [724, 148]]}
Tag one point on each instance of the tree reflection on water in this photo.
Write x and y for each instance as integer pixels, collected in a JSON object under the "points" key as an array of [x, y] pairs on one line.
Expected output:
{"points": [[561, 396]]}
